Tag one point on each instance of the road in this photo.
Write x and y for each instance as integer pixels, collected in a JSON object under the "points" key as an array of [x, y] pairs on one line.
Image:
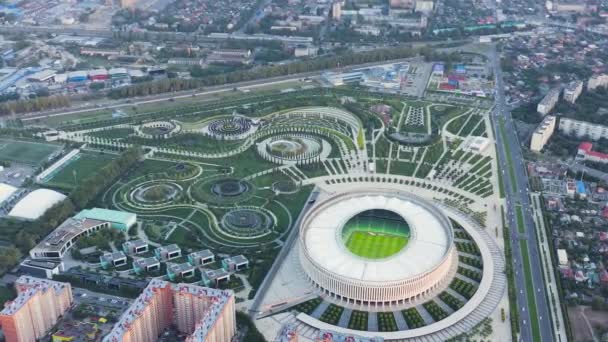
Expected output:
{"points": [[520, 197], [134, 101]]}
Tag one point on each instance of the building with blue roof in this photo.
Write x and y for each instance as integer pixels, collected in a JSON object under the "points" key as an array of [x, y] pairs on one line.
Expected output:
{"points": [[118, 219], [580, 188]]}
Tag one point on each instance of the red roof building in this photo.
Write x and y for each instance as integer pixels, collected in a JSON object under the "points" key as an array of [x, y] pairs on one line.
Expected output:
{"points": [[585, 151]]}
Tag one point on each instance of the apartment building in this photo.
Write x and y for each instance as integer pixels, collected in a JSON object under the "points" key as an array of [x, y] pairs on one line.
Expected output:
{"points": [[572, 91], [548, 102], [582, 129], [203, 314], [38, 306], [543, 132], [597, 81]]}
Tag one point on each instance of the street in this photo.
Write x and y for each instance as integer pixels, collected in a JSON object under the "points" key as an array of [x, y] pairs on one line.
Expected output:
{"points": [[519, 198]]}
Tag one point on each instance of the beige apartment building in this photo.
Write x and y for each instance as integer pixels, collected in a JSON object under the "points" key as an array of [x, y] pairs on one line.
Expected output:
{"points": [[38, 306], [543, 132], [204, 314]]}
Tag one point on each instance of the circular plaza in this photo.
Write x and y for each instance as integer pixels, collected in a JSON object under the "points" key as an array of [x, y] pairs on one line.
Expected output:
{"points": [[377, 249]]}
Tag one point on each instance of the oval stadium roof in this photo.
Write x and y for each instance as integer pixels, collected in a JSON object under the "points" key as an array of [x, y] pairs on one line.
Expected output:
{"points": [[429, 243], [34, 204]]}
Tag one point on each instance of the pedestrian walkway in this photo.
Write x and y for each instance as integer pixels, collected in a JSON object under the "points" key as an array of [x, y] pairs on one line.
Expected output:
{"points": [[345, 318], [320, 309]]}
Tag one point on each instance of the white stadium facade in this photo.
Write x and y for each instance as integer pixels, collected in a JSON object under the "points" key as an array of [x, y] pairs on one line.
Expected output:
{"points": [[425, 264]]}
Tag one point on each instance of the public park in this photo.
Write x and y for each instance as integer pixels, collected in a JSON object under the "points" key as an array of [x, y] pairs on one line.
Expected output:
{"points": [[252, 175]]}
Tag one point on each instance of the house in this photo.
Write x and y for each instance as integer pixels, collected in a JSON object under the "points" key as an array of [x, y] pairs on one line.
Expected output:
{"points": [[235, 263], [135, 246], [116, 259], [201, 258], [169, 252]]}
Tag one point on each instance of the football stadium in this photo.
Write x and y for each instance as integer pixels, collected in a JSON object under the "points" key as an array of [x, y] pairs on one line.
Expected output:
{"points": [[377, 249]]}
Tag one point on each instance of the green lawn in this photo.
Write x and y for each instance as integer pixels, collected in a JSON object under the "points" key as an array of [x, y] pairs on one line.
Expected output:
{"points": [[25, 152], [375, 245], [77, 170]]}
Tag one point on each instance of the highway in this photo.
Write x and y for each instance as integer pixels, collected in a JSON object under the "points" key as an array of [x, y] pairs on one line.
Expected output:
{"points": [[519, 197]]}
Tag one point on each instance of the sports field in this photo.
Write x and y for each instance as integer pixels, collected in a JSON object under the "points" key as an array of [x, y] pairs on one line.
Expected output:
{"points": [[78, 169], [26, 152], [375, 245]]}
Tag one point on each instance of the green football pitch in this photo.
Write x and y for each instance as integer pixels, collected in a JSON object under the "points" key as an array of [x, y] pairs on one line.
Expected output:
{"points": [[375, 245], [26, 152], [76, 171]]}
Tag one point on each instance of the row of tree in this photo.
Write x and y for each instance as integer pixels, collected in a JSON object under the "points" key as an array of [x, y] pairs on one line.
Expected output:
{"points": [[34, 105]]}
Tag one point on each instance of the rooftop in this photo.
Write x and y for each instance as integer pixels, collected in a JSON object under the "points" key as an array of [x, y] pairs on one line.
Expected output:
{"points": [[113, 256], [215, 274], [135, 243], [217, 299], [27, 287], [145, 262], [237, 260], [179, 268], [106, 215], [201, 254], [67, 230], [429, 243], [169, 248], [34, 204]]}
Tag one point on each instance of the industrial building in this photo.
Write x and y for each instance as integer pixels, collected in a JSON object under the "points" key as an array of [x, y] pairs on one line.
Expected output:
{"points": [[118, 219], [543, 132], [98, 75], [203, 314], [38, 306], [78, 76]]}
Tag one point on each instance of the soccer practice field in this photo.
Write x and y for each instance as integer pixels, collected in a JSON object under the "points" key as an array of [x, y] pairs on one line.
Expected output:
{"points": [[375, 245], [26, 152]]}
